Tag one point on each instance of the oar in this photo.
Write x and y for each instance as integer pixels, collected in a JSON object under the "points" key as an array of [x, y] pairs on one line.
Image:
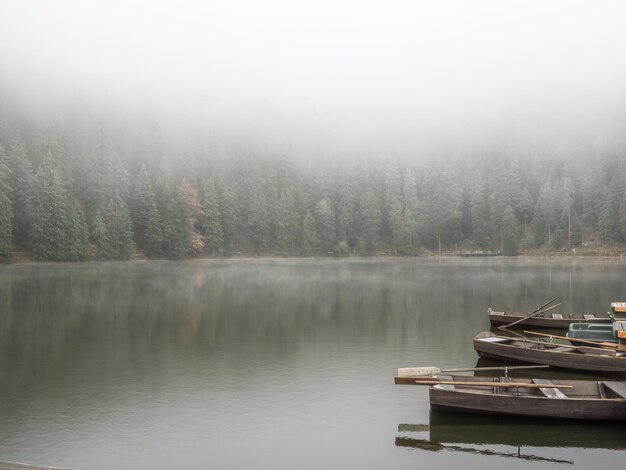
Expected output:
{"points": [[504, 327], [544, 305], [593, 343], [489, 384], [421, 371]]}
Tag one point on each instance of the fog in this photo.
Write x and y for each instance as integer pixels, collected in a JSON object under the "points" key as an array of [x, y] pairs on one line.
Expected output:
{"points": [[340, 72]]}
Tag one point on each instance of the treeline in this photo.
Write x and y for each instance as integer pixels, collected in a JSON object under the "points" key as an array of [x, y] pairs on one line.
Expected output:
{"points": [[80, 192]]}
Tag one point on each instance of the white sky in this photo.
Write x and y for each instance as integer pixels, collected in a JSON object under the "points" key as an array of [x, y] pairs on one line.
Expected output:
{"points": [[349, 67]]}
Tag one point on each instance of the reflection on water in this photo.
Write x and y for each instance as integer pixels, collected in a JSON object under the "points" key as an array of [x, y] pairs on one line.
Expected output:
{"points": [[482, 434], [188, 361]]}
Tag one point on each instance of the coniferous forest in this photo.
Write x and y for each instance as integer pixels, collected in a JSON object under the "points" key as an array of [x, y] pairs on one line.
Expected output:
{"points": [[105, 189]]}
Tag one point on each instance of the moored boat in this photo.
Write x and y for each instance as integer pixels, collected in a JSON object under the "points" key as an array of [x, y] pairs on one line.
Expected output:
{"points": [[545, 320], [538, 398], [543, 317], [521, 349]]}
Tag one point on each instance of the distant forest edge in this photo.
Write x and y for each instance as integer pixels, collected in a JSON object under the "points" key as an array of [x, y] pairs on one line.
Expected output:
{"points": [[72, 192]]}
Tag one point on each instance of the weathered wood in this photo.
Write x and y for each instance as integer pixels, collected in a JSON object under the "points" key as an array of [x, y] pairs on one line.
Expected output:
{"points": [[619, 388], [536, 352], [485, 384], [592, 343], [497, 318], [532, 315], [428, 370], [550, 390], [582, 402]]}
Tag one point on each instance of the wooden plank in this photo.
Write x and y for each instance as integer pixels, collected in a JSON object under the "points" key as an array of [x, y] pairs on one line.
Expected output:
{"points": [[485, 384], [551, 391], [618, 387]]}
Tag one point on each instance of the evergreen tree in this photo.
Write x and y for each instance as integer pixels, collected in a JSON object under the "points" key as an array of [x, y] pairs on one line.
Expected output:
{"points": [[395, 211], [145, 215], [232, 223], [196, 217], [176, 226], [212, 225], [479, 214], [6, 212], [310, 241], [75, 245], [119, 227], [50, 215], [101, 238], [325, 226], [510, 232], [370, 217], [287, 230], [258, 214], [22, 190]]}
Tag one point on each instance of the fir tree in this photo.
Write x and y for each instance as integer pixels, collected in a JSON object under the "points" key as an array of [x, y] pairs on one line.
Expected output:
{"points": [[212, 224], [6, 212], [101, 238], [176, 226], [310, 241], [145, 216], [119, 228], [22, 191]]}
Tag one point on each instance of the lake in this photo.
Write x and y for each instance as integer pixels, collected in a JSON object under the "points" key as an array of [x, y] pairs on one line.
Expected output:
{"points": [[276, 364]]}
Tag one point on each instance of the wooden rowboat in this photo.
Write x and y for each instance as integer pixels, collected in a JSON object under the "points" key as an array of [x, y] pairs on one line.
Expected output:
{"points": [[545, 320], [539, 398], [519, 349]]}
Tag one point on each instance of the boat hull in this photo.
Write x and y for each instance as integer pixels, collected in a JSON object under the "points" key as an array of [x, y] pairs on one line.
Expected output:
{"points": [[565, 360], [548, 321], [538, 407]]}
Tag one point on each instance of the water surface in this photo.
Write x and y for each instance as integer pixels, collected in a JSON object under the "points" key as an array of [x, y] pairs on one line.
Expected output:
{"points": [[277, 364]]}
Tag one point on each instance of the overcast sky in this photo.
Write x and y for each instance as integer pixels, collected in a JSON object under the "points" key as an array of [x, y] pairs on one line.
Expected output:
{"points": [[330, 68]]}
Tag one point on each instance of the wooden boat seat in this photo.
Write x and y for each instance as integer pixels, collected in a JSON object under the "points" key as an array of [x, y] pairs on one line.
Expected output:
{"points": [[617, 387], [548, 391], [557, 316], [447, 378], [589, 316]]}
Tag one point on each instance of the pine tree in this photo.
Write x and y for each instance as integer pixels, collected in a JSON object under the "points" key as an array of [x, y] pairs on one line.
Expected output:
{"points": [[395, 211], [232, 222], [325, 226], [287, 223], [212, 224], [6, 212], [510, 232], [22, 191], [119, 227], [370, 217], [310, 241], [101, 238], [258, 214], [50, 214], [176, 226], [145, 215], [75, 245], [196, 217]]}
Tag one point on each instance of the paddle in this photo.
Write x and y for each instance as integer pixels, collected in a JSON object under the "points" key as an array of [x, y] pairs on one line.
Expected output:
{"points": [[489, 384], [504, 327], [426, 371], [582, 341]]}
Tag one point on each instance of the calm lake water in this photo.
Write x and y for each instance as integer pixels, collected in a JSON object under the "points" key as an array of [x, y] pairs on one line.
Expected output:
{"points": [[273, 364]]}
